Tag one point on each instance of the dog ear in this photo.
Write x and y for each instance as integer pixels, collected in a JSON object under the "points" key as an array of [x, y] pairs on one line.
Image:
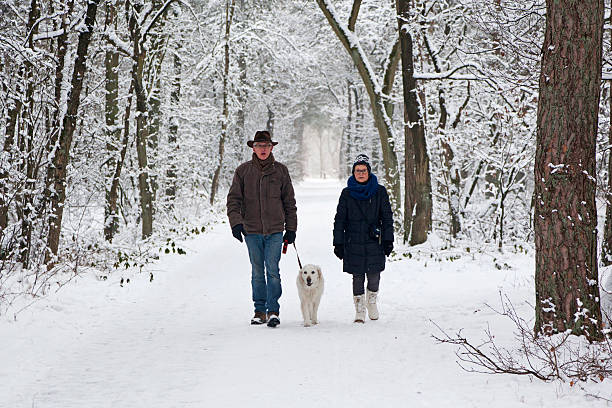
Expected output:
{"points": [[318, 271]]}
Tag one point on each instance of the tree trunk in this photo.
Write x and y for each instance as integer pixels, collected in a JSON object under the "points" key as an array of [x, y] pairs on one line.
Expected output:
{"points": [[62, 154], [5, 166], [357, 134], [270, 122], [567, 291], [9, 142], [377, 102], [344, 158], [62, 49], [451, 172], [606, 247], [175, 96], [418, 207], [229, 13], [156, 55], [25, 196], [242, 101], [142, 130], [113, 194], [113, 130]]}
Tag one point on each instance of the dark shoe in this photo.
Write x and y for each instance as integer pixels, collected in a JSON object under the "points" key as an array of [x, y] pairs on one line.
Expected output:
{"points": [[273, 319], [259, 318]]}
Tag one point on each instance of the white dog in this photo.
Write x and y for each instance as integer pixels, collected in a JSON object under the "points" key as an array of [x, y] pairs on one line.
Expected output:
{"points": [[310, 289]]}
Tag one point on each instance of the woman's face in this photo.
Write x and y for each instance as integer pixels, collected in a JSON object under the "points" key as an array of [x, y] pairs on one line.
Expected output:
{"points": [[361, 173]]}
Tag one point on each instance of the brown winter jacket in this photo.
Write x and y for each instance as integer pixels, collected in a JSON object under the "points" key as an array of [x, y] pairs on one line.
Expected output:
{"points": [[262, 200]]}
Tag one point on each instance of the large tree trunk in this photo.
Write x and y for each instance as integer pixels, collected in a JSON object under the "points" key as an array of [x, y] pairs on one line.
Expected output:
{"points": [[113, 130], [229, 14], [62, 152], [377, 100], [418, 203], [567, 291]]}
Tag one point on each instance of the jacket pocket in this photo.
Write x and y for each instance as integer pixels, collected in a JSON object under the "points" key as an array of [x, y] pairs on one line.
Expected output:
{"points": [[274, 188]]}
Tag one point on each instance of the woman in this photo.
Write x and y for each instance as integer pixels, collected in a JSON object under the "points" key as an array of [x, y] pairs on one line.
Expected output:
{"points": [[363, 234]]}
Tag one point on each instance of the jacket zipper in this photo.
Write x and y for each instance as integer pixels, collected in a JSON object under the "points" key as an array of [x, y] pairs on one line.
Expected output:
{"points": [[261, 217]]}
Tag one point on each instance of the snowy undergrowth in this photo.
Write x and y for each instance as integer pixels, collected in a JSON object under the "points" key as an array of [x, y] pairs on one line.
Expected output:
{"points": [[85, 253]]}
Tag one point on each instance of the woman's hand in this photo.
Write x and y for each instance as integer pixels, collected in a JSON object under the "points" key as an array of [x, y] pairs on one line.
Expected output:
{"points": [[339, 251], [387, 247]]}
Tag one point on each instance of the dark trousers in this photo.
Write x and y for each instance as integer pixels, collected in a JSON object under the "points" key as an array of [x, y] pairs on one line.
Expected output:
{"points": [[359, 280]]}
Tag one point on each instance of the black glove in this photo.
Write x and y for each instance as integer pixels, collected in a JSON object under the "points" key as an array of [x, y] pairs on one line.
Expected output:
{"points": [[388, 247], [238, 232], [339, 251], [289, 237]]}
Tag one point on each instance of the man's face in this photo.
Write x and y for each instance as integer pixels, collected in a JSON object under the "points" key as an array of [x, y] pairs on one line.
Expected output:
{"points": [[262, 149], [361, 173]]}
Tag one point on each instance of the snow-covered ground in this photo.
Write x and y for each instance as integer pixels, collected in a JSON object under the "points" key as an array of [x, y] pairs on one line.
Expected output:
{"points": [[184, 339]]}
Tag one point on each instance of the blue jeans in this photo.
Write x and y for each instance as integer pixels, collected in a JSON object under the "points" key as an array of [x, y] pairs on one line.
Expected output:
{"points": [[265, 250]]}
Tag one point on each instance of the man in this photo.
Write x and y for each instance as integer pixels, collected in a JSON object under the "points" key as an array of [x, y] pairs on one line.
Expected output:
{"points": [[260, 205]]}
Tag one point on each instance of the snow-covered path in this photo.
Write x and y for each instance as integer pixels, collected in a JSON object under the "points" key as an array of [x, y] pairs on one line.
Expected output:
{"points": [[184, 340]]}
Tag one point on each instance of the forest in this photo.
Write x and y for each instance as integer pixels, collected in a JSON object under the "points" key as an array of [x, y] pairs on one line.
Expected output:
{"points": [[122, 122]]}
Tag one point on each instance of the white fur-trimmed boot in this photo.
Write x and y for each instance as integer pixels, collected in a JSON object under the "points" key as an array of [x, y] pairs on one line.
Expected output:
{"points": [[359, 308], [371, 305]]}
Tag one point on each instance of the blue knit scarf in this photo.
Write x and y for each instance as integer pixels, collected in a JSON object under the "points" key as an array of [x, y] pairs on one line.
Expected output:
{"points": [[362, 192]]}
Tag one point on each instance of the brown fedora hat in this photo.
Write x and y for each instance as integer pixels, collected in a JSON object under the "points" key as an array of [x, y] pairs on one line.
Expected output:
{"points": [[261, 136]]}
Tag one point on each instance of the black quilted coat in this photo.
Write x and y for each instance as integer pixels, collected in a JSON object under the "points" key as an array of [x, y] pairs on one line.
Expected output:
{"points": [[362, 254]]}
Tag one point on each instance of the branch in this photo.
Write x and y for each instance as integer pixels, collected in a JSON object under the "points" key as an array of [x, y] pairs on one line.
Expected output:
{"points": [[354, 14], [476, 357], [390, 71], [391, 67], [121, 46], [351, 43], [448, 74], [462, 107], [547, 358], [159, 13]]}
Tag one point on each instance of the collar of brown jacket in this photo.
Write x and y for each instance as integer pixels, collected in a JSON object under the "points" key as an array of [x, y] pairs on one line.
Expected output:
{"points": [[264, 165]]}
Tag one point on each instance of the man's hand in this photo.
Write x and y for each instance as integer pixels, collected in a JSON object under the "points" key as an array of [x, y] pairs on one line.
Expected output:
{"points": [[388, 247], [238, 232], [339, 251], [289, 237]]}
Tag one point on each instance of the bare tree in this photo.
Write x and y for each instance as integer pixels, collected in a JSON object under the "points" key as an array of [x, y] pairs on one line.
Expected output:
{"points": [[229, 15], [141, 21], [566, 276], [173, 129], [417, 178], [113, 130], [62, 150], [378, 99]]}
